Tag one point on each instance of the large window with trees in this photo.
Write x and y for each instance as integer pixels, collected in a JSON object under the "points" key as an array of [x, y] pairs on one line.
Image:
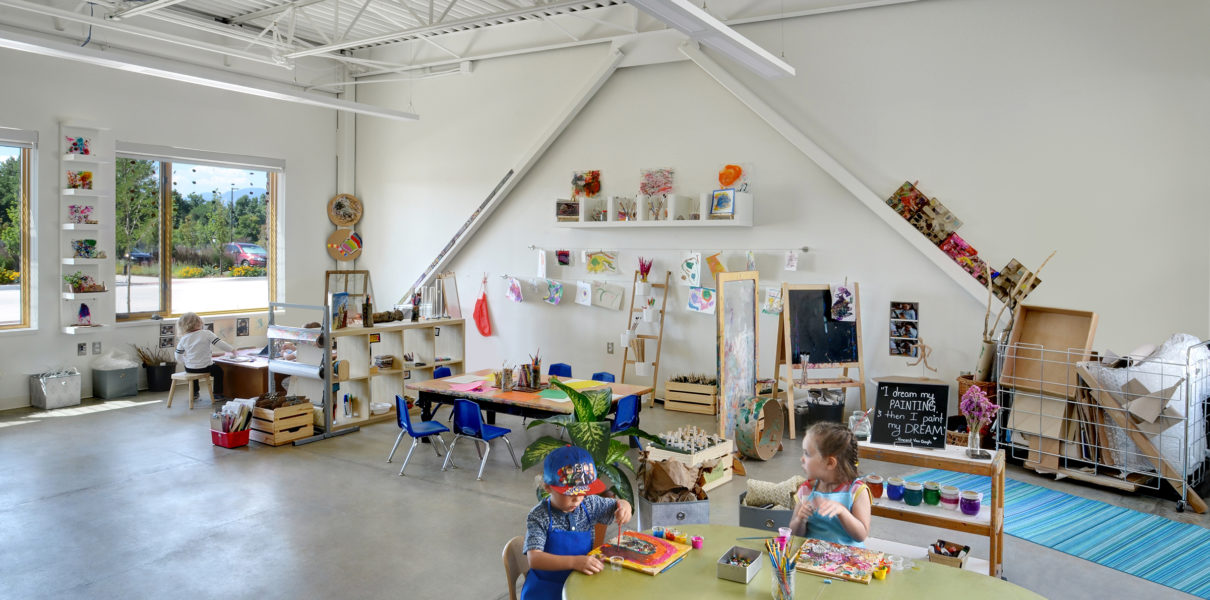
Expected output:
{"points": [[192, 237], [14, 236]]}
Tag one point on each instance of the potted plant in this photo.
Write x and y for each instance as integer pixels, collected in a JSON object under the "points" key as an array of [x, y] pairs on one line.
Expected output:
{"points": [[80, 283], [160, 366], [587, 428]]}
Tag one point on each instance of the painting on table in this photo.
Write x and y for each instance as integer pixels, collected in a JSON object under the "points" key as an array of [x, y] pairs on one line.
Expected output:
{"points": [[837, 561], [643, 553]]}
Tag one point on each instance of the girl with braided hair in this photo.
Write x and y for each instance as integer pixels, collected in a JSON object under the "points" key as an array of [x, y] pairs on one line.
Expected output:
{"points": [[834, 504]]}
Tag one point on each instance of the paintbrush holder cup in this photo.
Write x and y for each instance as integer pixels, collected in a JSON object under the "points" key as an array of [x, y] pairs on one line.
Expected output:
{"points": [[649, 314], [642, 288], [782, 584]]}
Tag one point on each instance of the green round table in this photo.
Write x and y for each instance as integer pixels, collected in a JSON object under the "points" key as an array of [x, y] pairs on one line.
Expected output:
{"points": [[696, 576]]}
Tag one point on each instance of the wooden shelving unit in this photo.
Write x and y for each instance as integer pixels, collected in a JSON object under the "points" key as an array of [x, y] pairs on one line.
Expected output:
{"points": [[366, 384], [990, 520], [632, 357]]}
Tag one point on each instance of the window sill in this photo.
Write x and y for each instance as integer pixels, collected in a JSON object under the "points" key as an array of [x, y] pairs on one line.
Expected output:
{"points": [[19, 331], [173, 320]]}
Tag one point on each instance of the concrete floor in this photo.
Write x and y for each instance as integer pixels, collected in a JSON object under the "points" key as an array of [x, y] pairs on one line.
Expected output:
{"points": [[127, 499]]}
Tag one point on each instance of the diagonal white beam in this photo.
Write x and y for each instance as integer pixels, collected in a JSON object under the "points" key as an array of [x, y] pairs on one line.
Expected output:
{"points": [[272, 10], [192, 74], [837, 171], [356, 18], [447, 10], [143, 8], [387, 37], [511, 178]]}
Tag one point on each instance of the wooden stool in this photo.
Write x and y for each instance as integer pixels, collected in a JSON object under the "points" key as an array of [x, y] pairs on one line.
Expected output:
{"points": [[188, 379]]}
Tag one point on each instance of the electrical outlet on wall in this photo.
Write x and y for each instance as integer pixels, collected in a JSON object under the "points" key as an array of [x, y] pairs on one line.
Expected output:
{"points": [[82, 349], [609, 347], [96, 347]]}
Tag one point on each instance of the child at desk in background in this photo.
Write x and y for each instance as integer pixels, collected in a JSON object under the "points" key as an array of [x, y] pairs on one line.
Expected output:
{"points": [[833, 505], [559, 530], [195, 348]]}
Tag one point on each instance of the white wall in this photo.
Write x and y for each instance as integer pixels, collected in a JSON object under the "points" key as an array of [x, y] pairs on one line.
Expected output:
{"points": [[1076, 126], [42, 91]]}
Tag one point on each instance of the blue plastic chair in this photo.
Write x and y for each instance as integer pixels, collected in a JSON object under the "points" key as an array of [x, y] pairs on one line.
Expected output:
{"points": [[469, 424], [559, 369], [627, 416], [603, 376], [442, 371], [418, 431]]}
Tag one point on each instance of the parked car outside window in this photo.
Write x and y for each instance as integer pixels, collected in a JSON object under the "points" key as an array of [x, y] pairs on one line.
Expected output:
{"points": [[246, 254]]}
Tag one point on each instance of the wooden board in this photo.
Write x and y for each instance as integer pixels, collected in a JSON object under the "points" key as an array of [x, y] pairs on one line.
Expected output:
{"points": [[690, 407], [1043, 348], [283, 437]]}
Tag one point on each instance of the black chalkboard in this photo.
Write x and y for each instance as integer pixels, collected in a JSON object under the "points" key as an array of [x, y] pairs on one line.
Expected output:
{"points": [[910, 412], [813, 332]]}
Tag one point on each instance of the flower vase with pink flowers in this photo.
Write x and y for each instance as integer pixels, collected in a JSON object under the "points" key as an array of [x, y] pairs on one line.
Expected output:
{"points": [[979, 410]]}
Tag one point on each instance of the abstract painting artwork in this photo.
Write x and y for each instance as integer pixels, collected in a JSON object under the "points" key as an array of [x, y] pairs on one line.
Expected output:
{"points": [[643, 553], [584, 293], [585, 184], [701, 299], [655, 182], [691, 269], [553, 292], [601, 261]]}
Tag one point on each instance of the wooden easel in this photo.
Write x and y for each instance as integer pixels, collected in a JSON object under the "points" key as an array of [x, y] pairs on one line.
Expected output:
{"points": [[785, 358], [640, 351]]}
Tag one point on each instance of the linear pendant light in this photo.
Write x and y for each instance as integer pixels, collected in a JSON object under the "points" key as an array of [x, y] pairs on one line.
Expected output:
{"points": [[699, 25], [196, 75]]}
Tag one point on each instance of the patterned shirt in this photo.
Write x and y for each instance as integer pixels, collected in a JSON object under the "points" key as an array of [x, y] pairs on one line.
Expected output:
{"points": [[594, 509]]}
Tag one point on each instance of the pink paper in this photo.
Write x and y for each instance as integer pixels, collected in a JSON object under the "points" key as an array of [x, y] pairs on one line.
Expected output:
{"points": [[468, 387]]}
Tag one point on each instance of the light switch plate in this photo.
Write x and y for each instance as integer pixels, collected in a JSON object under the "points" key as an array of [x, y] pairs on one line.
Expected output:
{"points": [[82, 349], [96, 347], [609, 347]]}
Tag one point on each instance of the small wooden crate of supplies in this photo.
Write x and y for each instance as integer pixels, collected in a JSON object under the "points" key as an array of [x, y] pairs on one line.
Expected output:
{"points": [[279, 426], [718, 476], [690, 397]]}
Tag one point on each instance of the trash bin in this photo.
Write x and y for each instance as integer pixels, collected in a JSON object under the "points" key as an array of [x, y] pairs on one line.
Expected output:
{"points": [[54, 389], [159, 377]]}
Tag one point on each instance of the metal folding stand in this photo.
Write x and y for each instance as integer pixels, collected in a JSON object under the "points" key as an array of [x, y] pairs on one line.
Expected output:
{"points": [[276, 365]]}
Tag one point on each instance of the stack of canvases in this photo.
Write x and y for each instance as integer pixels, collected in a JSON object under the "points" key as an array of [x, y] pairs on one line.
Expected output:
{"points": [[940, 226]]}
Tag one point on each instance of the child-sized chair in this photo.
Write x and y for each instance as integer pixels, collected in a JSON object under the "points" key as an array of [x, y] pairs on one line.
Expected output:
{"points": [[188, 379], [418, 431], [627, 416], [559, 369], [515, 563], [605, 376], [442, 371], [468, 423]]}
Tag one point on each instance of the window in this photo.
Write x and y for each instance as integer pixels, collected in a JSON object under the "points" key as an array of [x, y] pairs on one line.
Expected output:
{"points": [[14, 236], [192, 237]]}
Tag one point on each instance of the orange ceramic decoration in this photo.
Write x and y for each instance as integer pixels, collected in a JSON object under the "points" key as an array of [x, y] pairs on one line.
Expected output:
{"points": [[729, 175]]}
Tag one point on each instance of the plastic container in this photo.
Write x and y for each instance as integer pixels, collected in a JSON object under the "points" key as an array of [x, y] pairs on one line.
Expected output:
{"points": [[913, 493], [894, 488], [949, 497], [932, 493], [970, 502], [874, 482], [234, 439]]}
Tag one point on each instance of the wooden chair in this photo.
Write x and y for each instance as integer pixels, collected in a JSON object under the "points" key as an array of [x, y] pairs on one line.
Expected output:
{"points": [[188, 379], [515, 563]]}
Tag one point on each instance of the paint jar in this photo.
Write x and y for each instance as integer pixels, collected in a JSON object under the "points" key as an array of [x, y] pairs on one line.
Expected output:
{"points": [[616, 562], [949, 497], [894, 488], [896, 562], [913, 493], [682, 538], [657, 532], [874, 482], [932, 493], [970, 501], [697, 542], [880, 572], [672, 534]]}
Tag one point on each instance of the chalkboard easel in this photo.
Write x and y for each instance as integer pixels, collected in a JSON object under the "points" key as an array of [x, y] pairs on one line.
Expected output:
{"points": [[806, 327]]}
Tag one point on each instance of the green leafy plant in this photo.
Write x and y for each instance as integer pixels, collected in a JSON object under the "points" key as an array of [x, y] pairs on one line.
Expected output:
{"points": [[587, 428]]}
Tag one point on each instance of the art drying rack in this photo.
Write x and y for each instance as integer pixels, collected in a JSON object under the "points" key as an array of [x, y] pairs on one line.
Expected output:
{"points": [[640, 349], [324, 343]]}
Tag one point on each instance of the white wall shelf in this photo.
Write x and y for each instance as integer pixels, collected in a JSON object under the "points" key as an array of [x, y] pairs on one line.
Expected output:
{"points": [[100, 305], [91, 159], [681, 206], [83, 295], [81, 226], [84, 261], [93, 193], [80, 329]]}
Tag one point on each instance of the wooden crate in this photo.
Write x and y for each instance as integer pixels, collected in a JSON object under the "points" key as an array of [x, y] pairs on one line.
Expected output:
{"points": [[690, 397], [713, 480], [282, 425], [1044, 347]]}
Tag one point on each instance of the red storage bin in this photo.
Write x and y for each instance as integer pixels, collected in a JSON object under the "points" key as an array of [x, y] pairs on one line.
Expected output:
{"points": [[230, 440]]}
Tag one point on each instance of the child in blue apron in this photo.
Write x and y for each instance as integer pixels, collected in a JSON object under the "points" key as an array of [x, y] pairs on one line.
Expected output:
{"points": [[833, 505], [559, 530]]}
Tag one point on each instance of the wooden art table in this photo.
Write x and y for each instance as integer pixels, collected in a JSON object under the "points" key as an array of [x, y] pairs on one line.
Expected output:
{"points": [[246, 379], [525, 404], [696, 576]]}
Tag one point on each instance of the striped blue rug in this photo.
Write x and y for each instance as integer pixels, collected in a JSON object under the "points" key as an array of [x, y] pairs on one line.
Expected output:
{"points": [[1148, 546]]}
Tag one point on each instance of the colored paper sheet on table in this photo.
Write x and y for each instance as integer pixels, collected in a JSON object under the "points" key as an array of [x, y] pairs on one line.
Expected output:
{"points": [[470, 378], [701, 299], [580, 384], [716, 264], [553, 394], [691, 269], [584, 293], [468, 387]]}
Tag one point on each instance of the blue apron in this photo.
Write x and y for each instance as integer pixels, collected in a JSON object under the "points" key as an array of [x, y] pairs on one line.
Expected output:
{"points": [[548, 585], [830, 529]]}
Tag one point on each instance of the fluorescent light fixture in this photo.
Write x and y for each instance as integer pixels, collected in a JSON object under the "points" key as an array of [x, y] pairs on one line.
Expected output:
{"points": [[196, 75], [696, 23]]}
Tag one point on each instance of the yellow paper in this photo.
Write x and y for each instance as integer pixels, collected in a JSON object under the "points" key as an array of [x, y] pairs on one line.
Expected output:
{"points": [[582, 384]]}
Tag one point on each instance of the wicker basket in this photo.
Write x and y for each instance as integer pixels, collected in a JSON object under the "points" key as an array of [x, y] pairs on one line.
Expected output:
{"points": [[956, 438], [964, 383]]}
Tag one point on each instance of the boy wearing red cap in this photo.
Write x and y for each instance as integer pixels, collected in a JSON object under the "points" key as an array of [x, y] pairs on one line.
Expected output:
{"points": [[558, 531]]}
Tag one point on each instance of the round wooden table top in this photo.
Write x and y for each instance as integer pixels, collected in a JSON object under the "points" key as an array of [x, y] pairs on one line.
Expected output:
{"points": [[696, 576]]}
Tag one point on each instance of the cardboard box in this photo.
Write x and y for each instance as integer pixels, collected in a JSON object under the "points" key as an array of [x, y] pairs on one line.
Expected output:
{"points": [[115, 383], [1148, 405], [1038, 415]]}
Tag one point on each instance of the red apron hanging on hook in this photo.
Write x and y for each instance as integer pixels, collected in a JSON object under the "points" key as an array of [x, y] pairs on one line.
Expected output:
{"points": [[483, 320]]}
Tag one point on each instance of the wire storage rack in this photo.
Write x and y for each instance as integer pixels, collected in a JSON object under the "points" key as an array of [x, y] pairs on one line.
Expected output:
{"points": [[1129, 423]]}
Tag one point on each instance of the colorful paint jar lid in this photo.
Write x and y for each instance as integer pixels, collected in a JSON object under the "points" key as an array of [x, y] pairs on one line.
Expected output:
{"points": [[913, 485], [972, 495], [894, 480], [949, 490], [932, 485]]}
